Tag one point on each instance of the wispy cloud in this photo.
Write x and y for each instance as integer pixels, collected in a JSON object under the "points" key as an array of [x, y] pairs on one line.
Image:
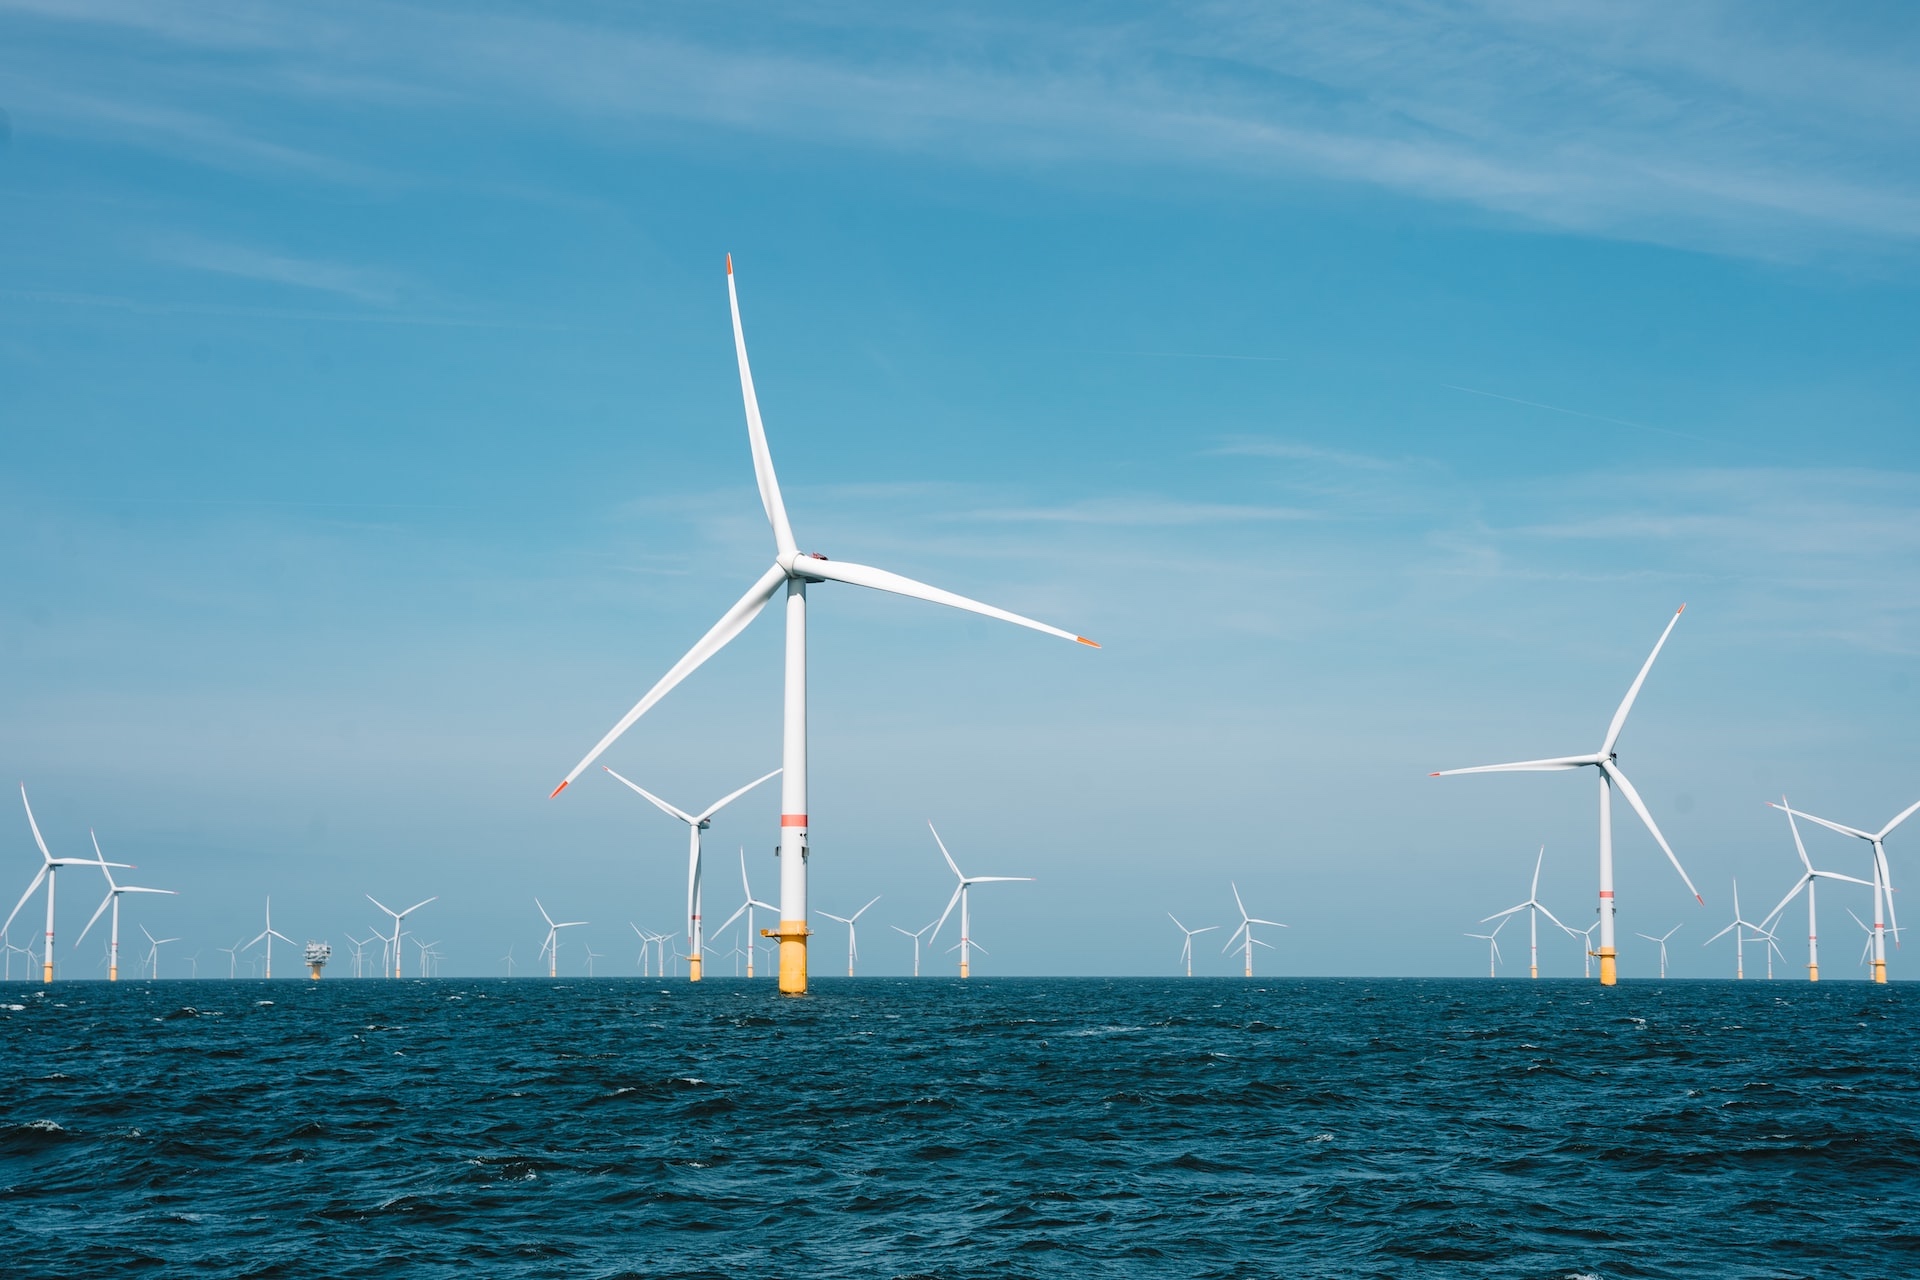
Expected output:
{"points": [[1143, 511], [362, 284], [1299, 451]]}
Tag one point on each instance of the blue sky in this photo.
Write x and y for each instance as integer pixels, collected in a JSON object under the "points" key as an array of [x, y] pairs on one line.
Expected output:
{"points": [[1372, 380]]}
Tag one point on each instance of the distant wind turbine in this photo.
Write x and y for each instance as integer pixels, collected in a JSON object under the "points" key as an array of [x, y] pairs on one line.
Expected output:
{"points": [[1808, 881], [1882, 880], [1244, 934], [49, 866], [1534, 909], [393, 950], [1493, 948], [267, 936], [112, 900], [153, 952], [853, 946], [1662, 940], [1186, 945], [551, 947], [1739, 929], [915, 935], [960, 894], [747, 908]]}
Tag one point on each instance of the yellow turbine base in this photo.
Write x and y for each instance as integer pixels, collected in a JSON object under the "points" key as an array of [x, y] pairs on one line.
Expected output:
{"points": [[1879, 971], [1813, 973], [1609, 976], [113, 974], [963, 968], [1536, 970], [693, 968], [793, 955], [47, 976], [749, 969], [313, 971]]}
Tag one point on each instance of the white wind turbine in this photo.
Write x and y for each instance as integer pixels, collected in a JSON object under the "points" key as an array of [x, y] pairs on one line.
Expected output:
{"points": [[696, 823], [360, 946], [960, 895], [746, 908], [1244, 934], [1807, 881], [645, 958], [509, 959], [1739, 929], [1186, 945], [49, 867], [1662, 940], [267, 936], [1493, 948], [592, 955], [793, 570], [551, 947], [1534, 909], [393, 951], [1866, 952], [1607, 768], [112, 899], [853, 945], [233, 958], [915, 935], [1882, 880], [153, 952]]}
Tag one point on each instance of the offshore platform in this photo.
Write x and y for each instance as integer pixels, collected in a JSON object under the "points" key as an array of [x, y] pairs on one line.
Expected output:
{"points": [[318, 953]]}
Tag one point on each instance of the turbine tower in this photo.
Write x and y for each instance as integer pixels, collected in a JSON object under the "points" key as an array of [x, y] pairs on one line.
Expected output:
{"points": [[853, 945], [966, 943], [1244, 934], [792, 569], [1808, 877], [49, 866], [1607, 768], [112, 899], [915, 935], [1534, 909], [1186, 946], [1882, 881], [267, 935], [696, 823]]}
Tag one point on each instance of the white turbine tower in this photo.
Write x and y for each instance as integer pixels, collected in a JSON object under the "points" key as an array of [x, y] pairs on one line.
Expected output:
{"points": [[960, 895], [551, 947], [915, 935], [1244, 934], [1739, 929], [1662, 940], [696, 823], [853, 946], [1186, 945], [1882, 881], [1807, 881], [745, 908], [1493, 948], [792, 569], [49, 867], [267, 935], [1607, 768], [153, 952], [1534, 909], [112, 899], [393, 951]]}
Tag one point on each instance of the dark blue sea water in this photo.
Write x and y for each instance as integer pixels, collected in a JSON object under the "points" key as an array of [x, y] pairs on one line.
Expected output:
{"points": [[1212, 1127]]}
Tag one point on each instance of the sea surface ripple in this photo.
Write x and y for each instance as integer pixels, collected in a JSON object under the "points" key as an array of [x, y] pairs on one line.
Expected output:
{"points": [[997, 1127]]}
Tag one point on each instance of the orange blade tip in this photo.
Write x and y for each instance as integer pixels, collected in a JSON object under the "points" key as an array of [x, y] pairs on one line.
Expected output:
{"points": [[1089, 643], [557, 790], [1433, 775], [1677, 612], [729, 264]]}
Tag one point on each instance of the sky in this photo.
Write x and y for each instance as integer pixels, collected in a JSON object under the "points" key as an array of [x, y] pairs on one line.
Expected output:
{"points": [[1372, 380]]}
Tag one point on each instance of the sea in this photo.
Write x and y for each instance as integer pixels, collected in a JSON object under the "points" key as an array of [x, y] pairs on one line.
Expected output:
{"points": [[931, 1127]]}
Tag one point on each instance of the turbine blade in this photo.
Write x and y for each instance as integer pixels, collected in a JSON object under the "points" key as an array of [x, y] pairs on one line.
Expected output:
{"points": [[731, 796], [1626, 703], [1835, 875], [1640, 807], [383, 906], [44, 853], [658, 803], [862, 911], [998, 879], [1798, 844], [1904, 815], [1886, 881], [1176, 922], [1534, 892], [731, 624], [1552, 765], [957, 889], [1502, 914], [1768, 919], [423, 902], [1831, 826], [740, 911], [35, 884], [97, 913], [1236, 900], [763, 474], [943, 852], [861, 575], [1723, 933], [1549, 915]]}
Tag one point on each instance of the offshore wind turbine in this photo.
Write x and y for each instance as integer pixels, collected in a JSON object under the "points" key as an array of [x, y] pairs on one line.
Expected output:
{"points": [[1186, 945], [696, 823], [1882, 880], [1586, 934], [915, 935], [960, 895], [792, 570], [153, 952], [1808, 880], [551, 947], [1662, 940], [1606, 765], [1739, 929], [853, 945], [267, 935], [1534, 909], [747, 907], [1244, 934], [592, 955], [112, 899], [393, 950], [1866, 952], [1493, 948], [49, 867]]}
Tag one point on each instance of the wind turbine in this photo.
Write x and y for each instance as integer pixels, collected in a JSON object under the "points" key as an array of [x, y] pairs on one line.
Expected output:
{"points": [[1867, 951], [360, 946], [1807, 881], [393, 949], [1662, 940], [49, 866], [551, 947], [645, 958], [1186, 946], [1493, 948], [1882, 881], [747, 907], [1607, 768], [966, 944], [509, 959], [592, 955], [153, 952], [1534, 909], [112, 899], [267, 935], [1586, 934], [194, 961], [792, 569], [427, 953], [696, 823], [915, 935], [1739, 929], [1244, 934], [233, 958], [853, 947]]}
